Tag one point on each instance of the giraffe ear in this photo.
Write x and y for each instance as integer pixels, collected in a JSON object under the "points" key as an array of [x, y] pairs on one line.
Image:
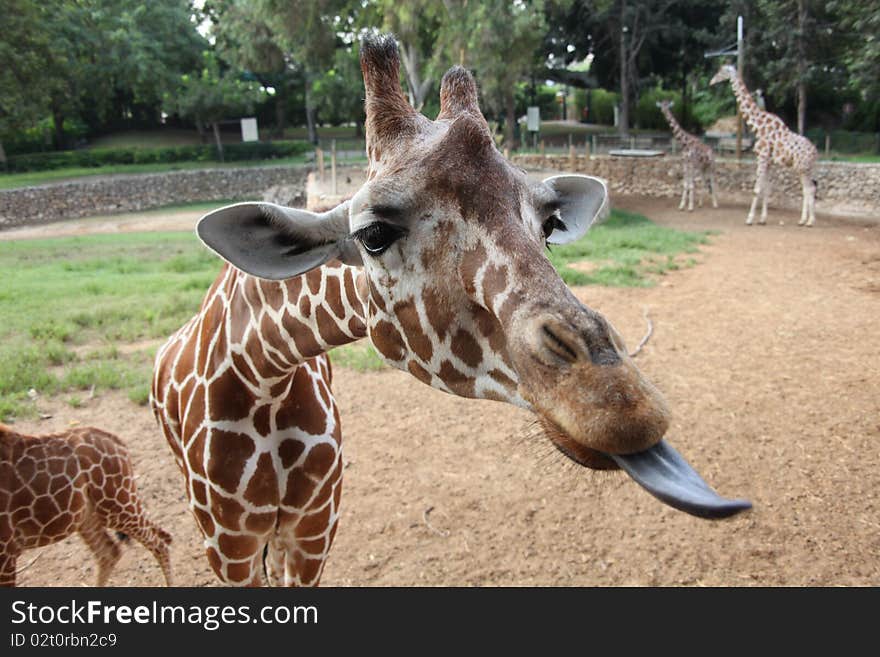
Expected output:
{"points": [[583, 201], [274, 242]]}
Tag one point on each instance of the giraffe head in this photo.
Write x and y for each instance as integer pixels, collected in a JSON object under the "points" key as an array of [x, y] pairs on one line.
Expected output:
{"points": [[457, 287], [726, 72], [665, 104]]}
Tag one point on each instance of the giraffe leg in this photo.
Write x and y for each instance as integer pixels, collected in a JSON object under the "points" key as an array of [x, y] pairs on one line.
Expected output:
{"points": [[759, 187], [237, 558], [106, 550], [275, 562], [812, 203], [9, 550], [684, 191], [803, 202], [809, 195], [8, 564], [155, 539], [764, 198], [690, 188]]}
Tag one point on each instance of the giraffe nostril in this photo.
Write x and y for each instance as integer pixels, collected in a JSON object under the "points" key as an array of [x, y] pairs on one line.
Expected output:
{"points": [[559, 343]]}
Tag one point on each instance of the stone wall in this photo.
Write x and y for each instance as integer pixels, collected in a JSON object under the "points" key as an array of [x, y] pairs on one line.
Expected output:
{"points": [[128, 193], [844, 187]]}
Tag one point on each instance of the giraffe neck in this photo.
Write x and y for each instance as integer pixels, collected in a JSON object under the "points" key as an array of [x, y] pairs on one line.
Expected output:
{"points": [[273, 326], [677, 131], [747, 104]]}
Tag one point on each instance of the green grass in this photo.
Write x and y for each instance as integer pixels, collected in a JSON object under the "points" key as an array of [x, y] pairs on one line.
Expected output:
{"points": [[841, 157], [627, 250], [359, 356], [70, 304]]}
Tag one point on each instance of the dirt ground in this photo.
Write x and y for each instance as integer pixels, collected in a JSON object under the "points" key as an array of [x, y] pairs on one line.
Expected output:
{"points": [[767, 351]]}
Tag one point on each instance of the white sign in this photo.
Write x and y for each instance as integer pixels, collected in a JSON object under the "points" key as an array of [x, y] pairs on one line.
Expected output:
{"points": [[249, 130], [533, 119]]}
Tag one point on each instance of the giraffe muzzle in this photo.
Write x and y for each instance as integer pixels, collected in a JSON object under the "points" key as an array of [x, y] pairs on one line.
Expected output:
{"points": [[615, 417]]}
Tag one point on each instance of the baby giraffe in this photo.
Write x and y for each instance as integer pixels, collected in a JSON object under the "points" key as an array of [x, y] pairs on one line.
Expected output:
{"points": [[697, 158], [77, 481]]}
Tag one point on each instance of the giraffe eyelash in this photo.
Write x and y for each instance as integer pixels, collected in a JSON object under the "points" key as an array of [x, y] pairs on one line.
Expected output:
{"points": [[377, 237]]}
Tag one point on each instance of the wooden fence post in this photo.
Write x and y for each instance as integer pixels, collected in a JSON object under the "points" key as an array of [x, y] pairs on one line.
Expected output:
{"points": [[333, 165], [319, 157]]}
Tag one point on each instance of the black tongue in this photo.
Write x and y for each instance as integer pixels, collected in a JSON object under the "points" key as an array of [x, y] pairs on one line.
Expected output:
{"points": [[665, 474]]}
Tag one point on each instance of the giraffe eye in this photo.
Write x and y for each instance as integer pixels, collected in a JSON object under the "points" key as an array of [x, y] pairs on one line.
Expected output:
{"points": [[553, 222], [378, 236]]}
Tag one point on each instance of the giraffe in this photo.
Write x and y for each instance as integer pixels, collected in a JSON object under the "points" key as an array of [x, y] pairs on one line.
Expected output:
{"points": [[776, 144], [696, 158], [439, 261], [77, 481]]}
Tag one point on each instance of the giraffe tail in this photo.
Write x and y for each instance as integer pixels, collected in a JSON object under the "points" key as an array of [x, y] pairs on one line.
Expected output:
{"points": [[815, 188]]}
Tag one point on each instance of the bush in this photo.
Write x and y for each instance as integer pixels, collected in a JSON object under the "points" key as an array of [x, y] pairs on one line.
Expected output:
{"points": [[844, 141], [649, 116], [114, 156], [602, 103]]}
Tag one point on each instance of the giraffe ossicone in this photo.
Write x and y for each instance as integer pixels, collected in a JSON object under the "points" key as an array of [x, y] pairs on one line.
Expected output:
{"points": [[774, 144], [439, 260]]}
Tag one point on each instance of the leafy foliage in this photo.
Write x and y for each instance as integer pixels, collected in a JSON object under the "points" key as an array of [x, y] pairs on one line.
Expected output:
{"points": [[110, 156]]}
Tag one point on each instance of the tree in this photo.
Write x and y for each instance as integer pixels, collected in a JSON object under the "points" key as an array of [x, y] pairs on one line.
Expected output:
{"points": [[212, 96], [245, 40], [794, 39], [96, 57], [306, 30], [415, 24], [499, 40], [618, 31], [21, 100], [339, 91], [858, 30]]}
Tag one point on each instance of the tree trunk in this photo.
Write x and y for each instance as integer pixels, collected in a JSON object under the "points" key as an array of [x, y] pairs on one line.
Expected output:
{"points": [[510, 117], [623, 115], [310, 111], [802, 106], [802, 67], [216, 127], [58, 121], [417, 87], [684, 102], [280, 113], [2, 156], [200, 127]]}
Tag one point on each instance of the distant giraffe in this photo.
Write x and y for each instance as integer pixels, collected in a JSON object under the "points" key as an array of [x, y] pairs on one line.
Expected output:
{"points": [[76, 481], [696, 158], [775, 143]]}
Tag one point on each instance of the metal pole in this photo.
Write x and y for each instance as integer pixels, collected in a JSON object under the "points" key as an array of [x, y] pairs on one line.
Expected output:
{"points": [[739, 71]]}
